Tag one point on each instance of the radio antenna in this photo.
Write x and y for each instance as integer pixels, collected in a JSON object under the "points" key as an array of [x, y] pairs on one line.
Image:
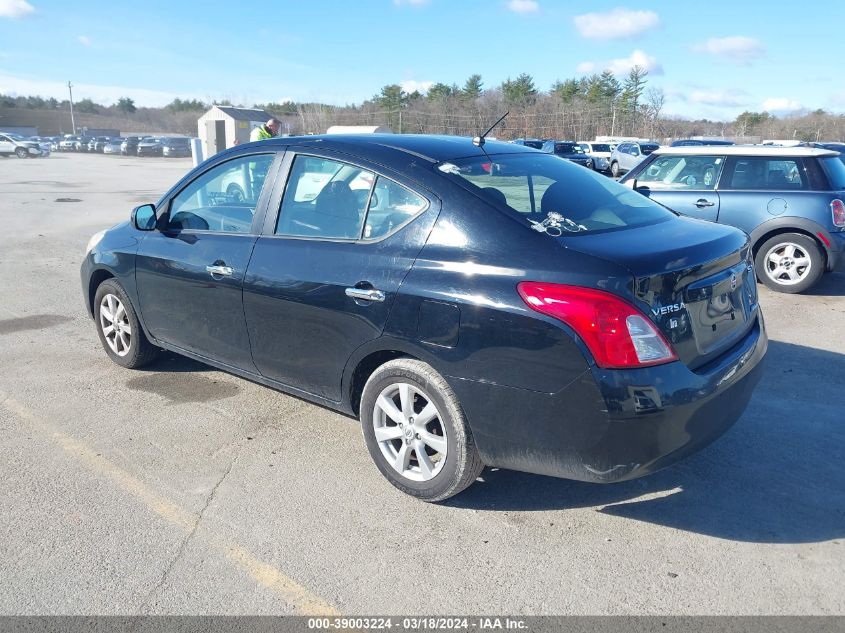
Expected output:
{"points": [[478, 141]]}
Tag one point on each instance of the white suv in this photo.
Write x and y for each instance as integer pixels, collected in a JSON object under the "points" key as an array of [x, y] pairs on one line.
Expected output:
{"points": [[626, 156], [19, 146]]}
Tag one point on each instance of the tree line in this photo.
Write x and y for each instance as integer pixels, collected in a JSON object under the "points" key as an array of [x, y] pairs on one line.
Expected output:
{"points": [[578, 108]]}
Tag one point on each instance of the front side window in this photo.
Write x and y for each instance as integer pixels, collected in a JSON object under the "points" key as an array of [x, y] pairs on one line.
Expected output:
{"points": [[555, 196], [223, 199], [324, 198], [766, 173], [678, 173]]}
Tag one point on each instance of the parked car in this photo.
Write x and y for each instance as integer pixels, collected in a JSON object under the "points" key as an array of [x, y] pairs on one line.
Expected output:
{"points": [[16, 145], [473, 306], [54, 143], [627, 155], [694, 142], [96, 144], [82, 144], [68, 143], [113, 145], [533, 143], [149, 147], [600, 153], [176, 146], [568, 150], [788, 199], [44, 143], [129, 147]]}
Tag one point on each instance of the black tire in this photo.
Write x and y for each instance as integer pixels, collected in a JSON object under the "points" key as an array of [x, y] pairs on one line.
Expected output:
{"points": [[234, 193], [462, 464], [140, 351], [614, 169], [778, 262], [21, 152]]}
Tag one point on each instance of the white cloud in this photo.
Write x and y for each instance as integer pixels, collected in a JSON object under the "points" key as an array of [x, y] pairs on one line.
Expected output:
{"points": [[524, 6], [780, 104], [84, 40], [615, 24], [15, 8], [623, 65], [722, 98], [737, 49], [410, 85]]}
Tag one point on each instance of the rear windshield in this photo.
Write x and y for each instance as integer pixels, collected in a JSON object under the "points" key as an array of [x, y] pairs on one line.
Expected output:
{"points": [[599, 147], [555, 196], [835, 168], [533, 144], [648, 148]]}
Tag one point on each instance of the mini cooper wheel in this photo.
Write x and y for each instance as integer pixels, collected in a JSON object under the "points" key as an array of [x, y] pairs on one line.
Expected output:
{"points": [[118, 328], [416, 431], [790, 262]]}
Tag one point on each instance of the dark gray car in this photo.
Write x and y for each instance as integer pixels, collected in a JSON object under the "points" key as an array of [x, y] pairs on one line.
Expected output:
{"points": [[788, 199]]}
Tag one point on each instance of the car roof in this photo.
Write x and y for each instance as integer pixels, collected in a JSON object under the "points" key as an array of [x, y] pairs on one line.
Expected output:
{"points": [[746, 150], [429, 147]]}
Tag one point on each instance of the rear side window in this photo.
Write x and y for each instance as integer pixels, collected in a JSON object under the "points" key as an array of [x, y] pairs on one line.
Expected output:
{"points": [[391, 206], [835, 169], [765, 173], [680, 173]]}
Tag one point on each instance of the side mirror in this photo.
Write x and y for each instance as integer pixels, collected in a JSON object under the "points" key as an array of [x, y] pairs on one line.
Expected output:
{"points": [[144, 217]]}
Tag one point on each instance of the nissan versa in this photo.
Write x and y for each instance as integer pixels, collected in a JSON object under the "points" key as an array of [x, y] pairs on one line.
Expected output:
{"points": [[473, 304]]}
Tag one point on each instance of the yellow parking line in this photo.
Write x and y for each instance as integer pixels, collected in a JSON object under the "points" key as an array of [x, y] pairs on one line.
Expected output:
{"points": [[300, 598]]}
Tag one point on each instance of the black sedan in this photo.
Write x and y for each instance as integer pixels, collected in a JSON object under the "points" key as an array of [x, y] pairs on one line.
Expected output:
{"points": [[149, 147], [176, 147], [473, 304]]}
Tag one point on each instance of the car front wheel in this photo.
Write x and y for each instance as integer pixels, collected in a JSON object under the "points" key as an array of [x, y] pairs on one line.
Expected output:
{"points": [[118, 327], [614, 169], [21, 152], [790, 262], [416, 431]]}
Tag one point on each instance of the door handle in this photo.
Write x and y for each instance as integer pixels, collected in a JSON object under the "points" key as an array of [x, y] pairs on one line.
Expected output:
{"points": [[702, 202], [365, 294], [220, 271]]}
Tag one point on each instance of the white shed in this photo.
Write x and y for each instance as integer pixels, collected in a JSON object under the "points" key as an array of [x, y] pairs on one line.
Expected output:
{"points": [[225, 126]]}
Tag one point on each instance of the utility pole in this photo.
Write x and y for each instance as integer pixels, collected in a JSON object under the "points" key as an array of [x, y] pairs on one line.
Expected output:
{"points": [[72, 122]]}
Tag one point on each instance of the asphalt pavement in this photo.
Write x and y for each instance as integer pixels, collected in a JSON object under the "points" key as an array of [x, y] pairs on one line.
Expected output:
{"points": [[180, 489]]}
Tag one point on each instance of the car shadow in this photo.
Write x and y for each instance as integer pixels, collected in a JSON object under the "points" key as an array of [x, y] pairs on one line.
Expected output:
{"points": [[830, 285], [776, 477]]}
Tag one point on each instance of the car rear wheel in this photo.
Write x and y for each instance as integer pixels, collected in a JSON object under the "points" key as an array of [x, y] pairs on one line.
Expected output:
{"points": [[790, 262], [614, 169], [118, 328], [416, 431], [21, 152]]}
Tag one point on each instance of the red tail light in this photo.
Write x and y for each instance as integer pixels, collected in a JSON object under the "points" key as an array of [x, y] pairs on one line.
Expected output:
{"points": [[616, 333], [837, 208]]}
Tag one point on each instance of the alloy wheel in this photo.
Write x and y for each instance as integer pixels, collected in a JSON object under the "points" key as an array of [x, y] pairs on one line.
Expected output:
{"points": [[115, 325], [409, 431], [787, 264]]}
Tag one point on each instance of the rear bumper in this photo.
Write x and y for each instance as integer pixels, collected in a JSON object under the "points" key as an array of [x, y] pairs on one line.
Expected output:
{"points": [[836, 251], [614, 425]]}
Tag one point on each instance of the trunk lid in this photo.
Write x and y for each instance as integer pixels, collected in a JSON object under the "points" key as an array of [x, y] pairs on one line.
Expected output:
{"points": [[694, 280]]}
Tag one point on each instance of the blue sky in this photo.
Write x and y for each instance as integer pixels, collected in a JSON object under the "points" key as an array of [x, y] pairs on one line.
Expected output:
{"points": [[713, 59]]}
